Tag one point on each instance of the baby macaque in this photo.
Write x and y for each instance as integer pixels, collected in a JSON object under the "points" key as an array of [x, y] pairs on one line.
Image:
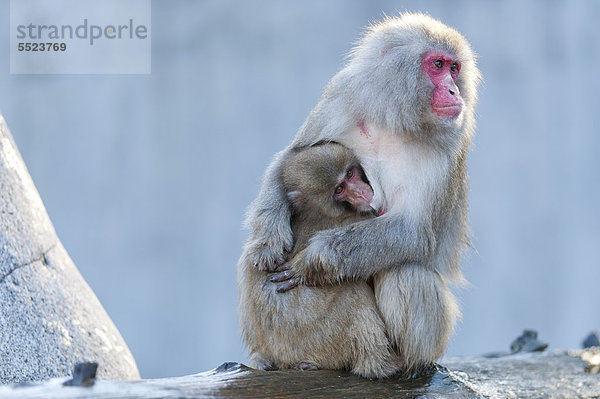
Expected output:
{"points": [[330, 327]]}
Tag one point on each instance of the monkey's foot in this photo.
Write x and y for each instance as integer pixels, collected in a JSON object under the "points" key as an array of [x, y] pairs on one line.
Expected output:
{"points": [[267, 366], [424, 371], [261, 363], [307, 366]]}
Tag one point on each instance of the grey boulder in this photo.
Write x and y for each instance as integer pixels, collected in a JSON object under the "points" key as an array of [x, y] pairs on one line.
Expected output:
{"points": [[50, 319]]}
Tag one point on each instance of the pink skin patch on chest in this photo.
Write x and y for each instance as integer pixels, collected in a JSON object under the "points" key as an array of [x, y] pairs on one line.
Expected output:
{"points": [[364, 130]]}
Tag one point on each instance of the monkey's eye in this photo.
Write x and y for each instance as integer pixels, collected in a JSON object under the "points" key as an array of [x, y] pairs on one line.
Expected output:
{"points": [[454, 67], [350, 173], [339, 189], [438, 64]]}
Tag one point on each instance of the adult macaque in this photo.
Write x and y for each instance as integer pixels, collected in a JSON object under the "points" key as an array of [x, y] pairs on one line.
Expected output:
{"points": [[336, 327], [404, 103]]}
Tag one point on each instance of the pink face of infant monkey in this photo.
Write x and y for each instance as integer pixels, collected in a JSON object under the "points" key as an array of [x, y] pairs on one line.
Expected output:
{"points": [[326, 180]]}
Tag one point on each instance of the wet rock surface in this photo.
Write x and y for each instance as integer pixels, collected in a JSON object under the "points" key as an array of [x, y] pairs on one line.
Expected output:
{"points": [[49, 317], [527, 375], [234, 380]]}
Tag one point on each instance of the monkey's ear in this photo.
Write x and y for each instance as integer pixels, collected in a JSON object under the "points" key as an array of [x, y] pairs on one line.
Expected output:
{"points": [[296, 198]]}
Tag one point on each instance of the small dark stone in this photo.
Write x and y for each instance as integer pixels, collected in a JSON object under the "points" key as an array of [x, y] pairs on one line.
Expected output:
{"points": [[495, 355], [229, 366], [528, 342], [591, 340], [84, 375]]}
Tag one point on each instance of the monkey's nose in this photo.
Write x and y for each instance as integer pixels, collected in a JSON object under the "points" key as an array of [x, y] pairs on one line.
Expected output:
{"points": [[453, 90]]}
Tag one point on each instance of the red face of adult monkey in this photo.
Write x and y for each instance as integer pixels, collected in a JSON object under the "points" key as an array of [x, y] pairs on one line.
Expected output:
{"points": [[443, 71], [405, 104]]}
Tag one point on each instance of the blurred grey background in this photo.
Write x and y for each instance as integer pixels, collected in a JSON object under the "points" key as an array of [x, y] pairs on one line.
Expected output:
{"points": [[146, 178]]}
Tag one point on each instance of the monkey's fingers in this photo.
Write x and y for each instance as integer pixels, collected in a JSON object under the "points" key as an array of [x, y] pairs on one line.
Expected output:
{"points": [[282, 268], [282, 276], [264, 256], [267, 261], [288, 285]]}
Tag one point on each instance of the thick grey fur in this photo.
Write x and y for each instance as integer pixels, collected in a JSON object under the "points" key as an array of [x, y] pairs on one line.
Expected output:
{"points": [[418, 167]]}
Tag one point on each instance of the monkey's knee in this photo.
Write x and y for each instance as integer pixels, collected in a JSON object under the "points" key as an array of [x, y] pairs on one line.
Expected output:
{"points": [[419, 311], [378, 364], [374, 356]]}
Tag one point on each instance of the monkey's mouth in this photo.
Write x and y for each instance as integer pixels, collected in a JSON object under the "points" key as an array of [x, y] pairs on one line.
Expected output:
{"points": [[377, 205], [450, 111], [378, 212]]}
